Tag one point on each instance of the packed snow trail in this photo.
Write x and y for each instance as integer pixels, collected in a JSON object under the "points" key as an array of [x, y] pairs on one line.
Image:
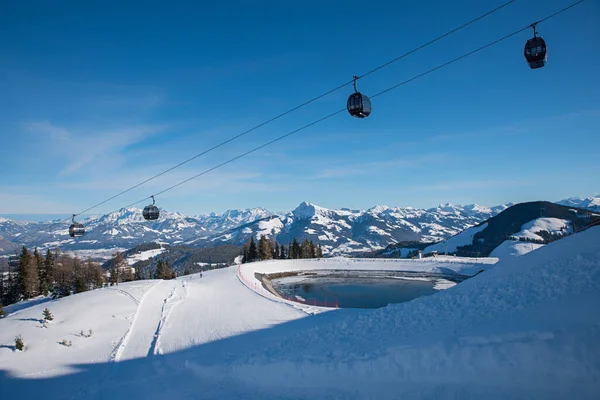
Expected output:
{"points": [[218, 306], [141, 338]]}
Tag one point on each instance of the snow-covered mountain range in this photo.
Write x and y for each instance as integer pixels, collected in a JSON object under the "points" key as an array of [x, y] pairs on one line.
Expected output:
{"points": [[590, 203], [340, 231]]}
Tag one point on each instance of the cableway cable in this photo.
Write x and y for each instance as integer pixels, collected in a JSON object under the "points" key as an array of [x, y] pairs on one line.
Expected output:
{"points": [[344, 109], [336, 112], [386, 64]]}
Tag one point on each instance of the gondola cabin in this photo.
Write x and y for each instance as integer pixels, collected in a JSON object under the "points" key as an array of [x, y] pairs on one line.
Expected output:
{"points": [[359, 105], [535, 50], [151, 212], [76, 229], [536, 53]]}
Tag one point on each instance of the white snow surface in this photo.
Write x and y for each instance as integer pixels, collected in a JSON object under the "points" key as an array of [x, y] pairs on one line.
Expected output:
{"points": [[552, 225], [514, 248], [526, 328], [462, 239], [144, 255]]}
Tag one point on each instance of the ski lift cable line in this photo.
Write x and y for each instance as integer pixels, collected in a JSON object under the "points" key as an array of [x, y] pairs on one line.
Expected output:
{"points": [[291, 110], [335, 113], [344, 109]]}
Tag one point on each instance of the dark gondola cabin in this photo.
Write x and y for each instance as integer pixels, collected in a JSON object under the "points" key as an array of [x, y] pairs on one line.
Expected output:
{"points": [[358, 104], [535, 51], [76, 229], [151, 212]]}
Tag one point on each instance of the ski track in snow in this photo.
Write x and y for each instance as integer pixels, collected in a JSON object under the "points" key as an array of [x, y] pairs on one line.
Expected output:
{"points": [[125, 293], [139, 340]]}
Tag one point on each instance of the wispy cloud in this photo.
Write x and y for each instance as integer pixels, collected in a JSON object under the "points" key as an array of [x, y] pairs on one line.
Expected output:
{"points": [[83, 146]]}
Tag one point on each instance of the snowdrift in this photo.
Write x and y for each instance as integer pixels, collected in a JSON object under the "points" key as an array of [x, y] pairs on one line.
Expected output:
{"points": [[526, 328]]}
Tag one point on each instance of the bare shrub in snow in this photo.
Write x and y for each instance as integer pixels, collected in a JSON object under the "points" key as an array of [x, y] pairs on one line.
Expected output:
{"points": [[19, 344], [86, 335]]}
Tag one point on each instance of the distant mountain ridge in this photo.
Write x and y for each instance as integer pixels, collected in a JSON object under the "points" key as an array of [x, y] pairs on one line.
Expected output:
{"points": [[589, 203], [340, 231]]}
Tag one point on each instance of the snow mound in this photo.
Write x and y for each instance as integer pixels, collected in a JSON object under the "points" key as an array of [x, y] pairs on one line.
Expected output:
{"points": [[512, 248], [526, 328]]}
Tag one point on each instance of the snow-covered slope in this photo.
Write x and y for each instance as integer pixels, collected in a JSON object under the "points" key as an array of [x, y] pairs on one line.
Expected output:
{"points": [[526, 328], [462, 239], [554, 226], [107, 312], [144, 255], [513, 248]]}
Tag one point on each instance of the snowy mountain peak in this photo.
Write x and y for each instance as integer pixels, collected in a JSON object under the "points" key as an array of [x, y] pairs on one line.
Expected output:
{"points": [[590, 203], [307, 210], [448, 208], [378, 209]]}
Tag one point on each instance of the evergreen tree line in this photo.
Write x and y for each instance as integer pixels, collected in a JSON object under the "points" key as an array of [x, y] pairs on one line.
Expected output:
{"points": [[56, 274], [268, 249]]}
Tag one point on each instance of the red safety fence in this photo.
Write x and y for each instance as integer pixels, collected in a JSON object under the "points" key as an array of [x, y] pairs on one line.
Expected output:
{"points": [[258, 288]]}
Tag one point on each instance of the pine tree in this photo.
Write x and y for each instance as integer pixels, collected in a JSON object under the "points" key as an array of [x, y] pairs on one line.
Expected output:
{"points": [[24, 259], [159, 272], [30, 283], [47, 315], [305, 249], [252, 253], [138, 274], [282, 252], [276, 251], [94, 274], [2, 313], [117, 268], [63, 276], [3, 293], [313, 251], [319, 251], [262, 248], [40, 270], [81, 282], [290, 251], [265, 251], [296, 251], [48, 278], [12, 289]]}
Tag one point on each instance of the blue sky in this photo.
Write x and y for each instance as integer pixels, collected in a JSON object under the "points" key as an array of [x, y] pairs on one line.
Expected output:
{"points": [[95, 98]]}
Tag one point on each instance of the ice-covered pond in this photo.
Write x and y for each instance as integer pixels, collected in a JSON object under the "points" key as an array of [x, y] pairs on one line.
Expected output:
{"points": [[357, 291]]}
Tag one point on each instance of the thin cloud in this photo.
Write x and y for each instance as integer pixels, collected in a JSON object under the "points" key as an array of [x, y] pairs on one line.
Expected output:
{"points": [[82, 146]]}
